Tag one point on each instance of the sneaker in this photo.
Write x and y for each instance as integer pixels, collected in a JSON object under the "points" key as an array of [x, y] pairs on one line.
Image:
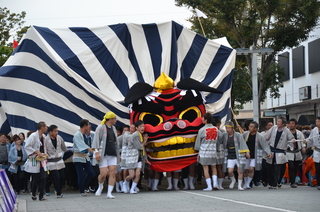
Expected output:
{"points": [[279, 185], [92, 190], [42, 199], [87, 191], [48, 194], [83, 195], [294, 186], [133, 192], [137, 189], [60, 196], [272, 187], [110, 197], [33, 197], [318, 187]]}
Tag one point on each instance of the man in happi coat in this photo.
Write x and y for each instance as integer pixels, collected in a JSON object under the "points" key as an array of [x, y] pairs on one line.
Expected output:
{"points": [[81, 159], [106, 152], [55, 147], [34, 147], [294, 156], [258, 148], [206, 144], [236, 151], [279, 137], [314, 142]]}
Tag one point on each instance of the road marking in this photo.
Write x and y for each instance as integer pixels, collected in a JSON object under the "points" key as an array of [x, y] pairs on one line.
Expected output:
{"points": [[240, 202]]}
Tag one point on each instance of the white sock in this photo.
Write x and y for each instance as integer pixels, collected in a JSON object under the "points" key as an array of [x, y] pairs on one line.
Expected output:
{"points": [[233, 181], [220, 181], [169, 183], [209, 186], [175, 184], [121, 185], [240, 184], [191, 183], [245, 181], [249, 181], [186, 182], [215, 181], [133, 187], [125, 187], [99, 190], [155, 185], [128, 186], [110, 188], [117, 187]]}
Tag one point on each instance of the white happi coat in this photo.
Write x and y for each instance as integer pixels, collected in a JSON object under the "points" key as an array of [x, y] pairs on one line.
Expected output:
{"points": [[296, 156], [206, 144], [284, 142], [262, 148], [220, 150], [134, 150], [99, 143], [55, 152], [315, 142], [240, 147], [123, 146], [33, 144]]}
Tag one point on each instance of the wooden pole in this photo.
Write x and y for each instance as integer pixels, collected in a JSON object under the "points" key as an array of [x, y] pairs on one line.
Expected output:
{"points": [[204, 34], [234, 116]]}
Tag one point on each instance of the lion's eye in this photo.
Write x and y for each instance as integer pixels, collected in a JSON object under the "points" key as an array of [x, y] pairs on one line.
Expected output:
{"points": [[150, 118], [190, 114]]}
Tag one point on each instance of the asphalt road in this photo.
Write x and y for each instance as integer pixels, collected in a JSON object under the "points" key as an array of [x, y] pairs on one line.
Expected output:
{"points": [[303, 198]]}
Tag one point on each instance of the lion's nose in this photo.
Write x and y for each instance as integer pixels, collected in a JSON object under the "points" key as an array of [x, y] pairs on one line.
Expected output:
{"points": [[167, 126], [181, 124]]}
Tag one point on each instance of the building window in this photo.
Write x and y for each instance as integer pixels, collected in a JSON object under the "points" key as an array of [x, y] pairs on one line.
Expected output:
{"points": [[283, 60], [298, 62], [314, 56]]}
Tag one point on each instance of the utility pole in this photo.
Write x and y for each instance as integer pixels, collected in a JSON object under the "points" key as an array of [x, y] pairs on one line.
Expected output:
{"points": [[254, 76]]}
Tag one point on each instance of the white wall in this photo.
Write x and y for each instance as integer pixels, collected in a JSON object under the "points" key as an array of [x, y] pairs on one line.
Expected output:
{"points": [[290, 91]]}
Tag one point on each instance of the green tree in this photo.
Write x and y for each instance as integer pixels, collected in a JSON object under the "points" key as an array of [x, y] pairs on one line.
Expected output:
{"points": [[275, 24], [10, 23]]}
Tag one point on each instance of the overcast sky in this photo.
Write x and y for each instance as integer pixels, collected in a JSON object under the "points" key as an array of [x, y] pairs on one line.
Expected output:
{"points": [[88, 13]]}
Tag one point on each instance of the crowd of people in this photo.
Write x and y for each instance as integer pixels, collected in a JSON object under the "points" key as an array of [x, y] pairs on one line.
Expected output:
{"points": [[118, 155]]}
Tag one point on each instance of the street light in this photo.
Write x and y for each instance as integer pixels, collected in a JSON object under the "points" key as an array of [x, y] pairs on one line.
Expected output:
{"points": [[254, 76]]}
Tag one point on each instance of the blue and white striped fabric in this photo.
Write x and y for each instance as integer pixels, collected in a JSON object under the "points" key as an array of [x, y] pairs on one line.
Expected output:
{"points": [[63, 75]]}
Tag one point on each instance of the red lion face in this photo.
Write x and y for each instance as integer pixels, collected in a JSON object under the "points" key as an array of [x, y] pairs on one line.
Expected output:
{"points": [[172, 119]]}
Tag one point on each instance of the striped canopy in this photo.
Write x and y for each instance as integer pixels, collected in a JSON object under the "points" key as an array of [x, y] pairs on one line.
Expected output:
{"points": [[63, 75]]}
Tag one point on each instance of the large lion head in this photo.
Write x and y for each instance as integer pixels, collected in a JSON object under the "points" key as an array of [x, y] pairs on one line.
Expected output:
{"points": [[172, 117]]}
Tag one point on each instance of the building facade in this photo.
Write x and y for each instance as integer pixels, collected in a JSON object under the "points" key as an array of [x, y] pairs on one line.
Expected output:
{"points": [[300, 95]]}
